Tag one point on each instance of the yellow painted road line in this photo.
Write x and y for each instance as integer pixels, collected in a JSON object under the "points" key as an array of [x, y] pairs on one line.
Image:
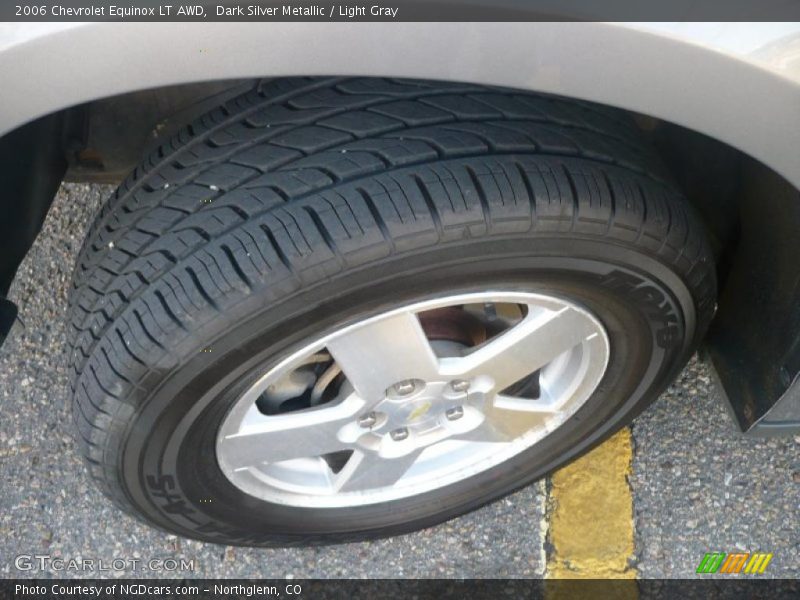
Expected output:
{"points": [[590, 507]]}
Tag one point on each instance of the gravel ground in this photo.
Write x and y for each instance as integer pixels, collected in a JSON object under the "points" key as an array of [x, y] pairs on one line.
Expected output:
{"points": [[49, 506], [697, 486]]}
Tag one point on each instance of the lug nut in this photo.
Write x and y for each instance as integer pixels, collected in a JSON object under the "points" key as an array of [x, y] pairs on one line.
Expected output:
{"points": [[368, 420], [398, 435], [455, 413], [404, 388], [460, 385]]}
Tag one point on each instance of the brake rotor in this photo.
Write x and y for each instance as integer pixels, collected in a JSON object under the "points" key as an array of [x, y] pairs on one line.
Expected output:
{"points": [[453, 324]]}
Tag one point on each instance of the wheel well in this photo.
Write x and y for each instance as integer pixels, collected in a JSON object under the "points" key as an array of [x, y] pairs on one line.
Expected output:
{"points": [[32, 165]]}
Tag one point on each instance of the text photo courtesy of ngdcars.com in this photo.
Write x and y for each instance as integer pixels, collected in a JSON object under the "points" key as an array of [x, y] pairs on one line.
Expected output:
{"points": [[137, 589], [318, 300]]}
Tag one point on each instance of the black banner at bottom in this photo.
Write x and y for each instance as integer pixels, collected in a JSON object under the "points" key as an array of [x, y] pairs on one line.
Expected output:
{"points": [[385, 589]]}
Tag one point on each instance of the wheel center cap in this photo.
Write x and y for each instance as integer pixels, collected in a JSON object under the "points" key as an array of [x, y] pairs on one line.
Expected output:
{"points": [[417, 410], [424, 408]]}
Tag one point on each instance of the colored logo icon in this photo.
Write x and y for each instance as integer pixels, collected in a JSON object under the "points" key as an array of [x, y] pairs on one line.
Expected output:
{"points": [[740, 562]]}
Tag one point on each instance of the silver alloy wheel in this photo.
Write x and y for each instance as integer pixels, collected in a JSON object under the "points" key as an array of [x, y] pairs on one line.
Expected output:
{"points": [[406, 419]]}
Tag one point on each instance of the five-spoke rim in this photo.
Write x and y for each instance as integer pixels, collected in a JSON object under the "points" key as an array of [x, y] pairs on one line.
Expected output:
{"points": [[411, 414]]}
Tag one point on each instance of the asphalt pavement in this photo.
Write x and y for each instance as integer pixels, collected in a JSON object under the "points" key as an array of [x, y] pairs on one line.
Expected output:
{"points": [[697, 485]]}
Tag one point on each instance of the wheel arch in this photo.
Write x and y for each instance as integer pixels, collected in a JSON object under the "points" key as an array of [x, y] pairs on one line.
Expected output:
{"points": [[744, 95]]}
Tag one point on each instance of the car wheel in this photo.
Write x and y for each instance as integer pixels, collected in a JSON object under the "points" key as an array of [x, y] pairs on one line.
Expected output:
{"points": [[336, 309]]}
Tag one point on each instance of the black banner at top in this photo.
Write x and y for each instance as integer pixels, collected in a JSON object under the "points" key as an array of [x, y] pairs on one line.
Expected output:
{"points": [[398, 10]]}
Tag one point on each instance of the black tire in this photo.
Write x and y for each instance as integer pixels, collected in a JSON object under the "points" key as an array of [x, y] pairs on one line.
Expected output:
{"points": [[310, 202]]}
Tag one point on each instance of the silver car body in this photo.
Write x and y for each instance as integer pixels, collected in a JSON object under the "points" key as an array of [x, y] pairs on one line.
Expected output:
{"points": [[736, 82]]}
